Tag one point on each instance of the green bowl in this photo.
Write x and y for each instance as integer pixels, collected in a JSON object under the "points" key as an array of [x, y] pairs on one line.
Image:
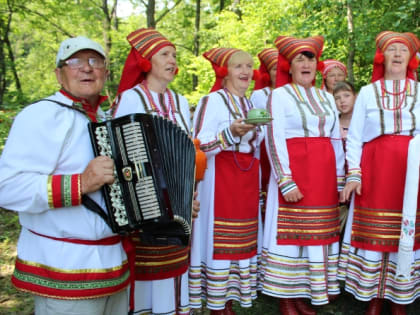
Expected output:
{"points": [[258, 116]]}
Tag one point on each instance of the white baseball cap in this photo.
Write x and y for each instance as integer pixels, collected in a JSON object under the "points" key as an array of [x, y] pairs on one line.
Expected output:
{"points": [[70, 46]]}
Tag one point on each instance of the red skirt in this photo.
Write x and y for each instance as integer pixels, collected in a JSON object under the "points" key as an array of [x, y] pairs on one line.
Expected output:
{"points": [[314, 220], [236, 199], [378, 210]]}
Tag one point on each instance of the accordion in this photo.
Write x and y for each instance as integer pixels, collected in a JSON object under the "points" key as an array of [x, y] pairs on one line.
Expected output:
{"points": [[154, 170]]}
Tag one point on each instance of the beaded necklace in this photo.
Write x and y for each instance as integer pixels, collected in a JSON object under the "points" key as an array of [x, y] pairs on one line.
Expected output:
{"points": [[244, 110], [165, 111], [385, 93]]}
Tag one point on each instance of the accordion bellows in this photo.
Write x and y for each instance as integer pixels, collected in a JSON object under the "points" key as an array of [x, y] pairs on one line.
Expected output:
{"points": [[154, 177]]}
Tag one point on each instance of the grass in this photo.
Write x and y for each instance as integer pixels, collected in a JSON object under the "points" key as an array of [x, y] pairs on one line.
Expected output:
{"points": [[11, 300]]}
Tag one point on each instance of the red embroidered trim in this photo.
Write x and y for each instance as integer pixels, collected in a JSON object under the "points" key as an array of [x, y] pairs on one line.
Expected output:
{"points": [[112, 240], [61, 278], [57, 197], [160, 262], [76, 196], [66, 190]]}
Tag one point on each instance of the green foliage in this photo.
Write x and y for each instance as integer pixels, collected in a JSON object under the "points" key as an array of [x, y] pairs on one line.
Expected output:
{"points": [[6, 118], [39, 26]]}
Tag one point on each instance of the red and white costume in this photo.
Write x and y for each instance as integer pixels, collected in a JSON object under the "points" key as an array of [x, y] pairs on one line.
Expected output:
{"points": [[160, 271], [300, 247], [64, 251], [224, 257], [377, 146]]}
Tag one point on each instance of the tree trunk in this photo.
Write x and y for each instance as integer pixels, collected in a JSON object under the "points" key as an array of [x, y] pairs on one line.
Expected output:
{"points": [[222, 5], [12, 63], [109, 16], [109, 24], [352, 44], [196, 40], [2, 68], [5, 44], [150, 13], [152, 20]]}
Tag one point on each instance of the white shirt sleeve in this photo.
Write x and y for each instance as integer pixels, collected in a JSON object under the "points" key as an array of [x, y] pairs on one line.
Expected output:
{"points": [[259, 98], [354, 143], [276, 142], [36, 140], [212, 125]]}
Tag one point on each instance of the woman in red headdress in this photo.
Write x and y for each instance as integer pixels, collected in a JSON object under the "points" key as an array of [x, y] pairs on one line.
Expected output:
{"points": [[333, 71], [225, 236], [301, 234], [266, 80], [264, 83], [381, 249], [160, 271]]}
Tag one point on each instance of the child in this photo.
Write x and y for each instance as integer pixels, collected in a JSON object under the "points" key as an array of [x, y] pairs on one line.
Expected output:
{"points": [[344, 96]]}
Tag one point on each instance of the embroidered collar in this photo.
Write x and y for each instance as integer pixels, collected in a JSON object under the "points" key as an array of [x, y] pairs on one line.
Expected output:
{"points": [[164, 110]]}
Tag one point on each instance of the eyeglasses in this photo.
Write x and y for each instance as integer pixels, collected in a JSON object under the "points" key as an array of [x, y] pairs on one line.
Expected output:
{"points": [[78, 63]]}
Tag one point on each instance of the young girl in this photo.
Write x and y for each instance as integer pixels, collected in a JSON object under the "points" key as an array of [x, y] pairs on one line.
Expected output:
{"points": [[344, 96]]}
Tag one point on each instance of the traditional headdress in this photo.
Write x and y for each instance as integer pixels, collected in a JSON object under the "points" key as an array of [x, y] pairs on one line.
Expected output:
{"points": [[268, 59], [386, 38], [219, 58], [330, 64], [289, 48], [145, 42]]}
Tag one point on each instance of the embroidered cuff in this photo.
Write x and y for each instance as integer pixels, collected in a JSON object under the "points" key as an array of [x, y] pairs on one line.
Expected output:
{"points": [[341, 181], [286, 184], [227, 139], [64, 191], [354, 175]]}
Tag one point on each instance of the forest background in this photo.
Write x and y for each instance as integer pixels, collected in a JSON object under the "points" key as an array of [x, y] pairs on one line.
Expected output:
{"points": [[31, 31]]}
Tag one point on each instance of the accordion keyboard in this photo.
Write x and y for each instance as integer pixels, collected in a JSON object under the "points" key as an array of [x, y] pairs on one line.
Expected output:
{"points": [[118, 208], [137, 154]]}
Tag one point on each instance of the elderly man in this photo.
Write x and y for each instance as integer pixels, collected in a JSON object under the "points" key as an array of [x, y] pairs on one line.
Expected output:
{"points": [[67, 256]]}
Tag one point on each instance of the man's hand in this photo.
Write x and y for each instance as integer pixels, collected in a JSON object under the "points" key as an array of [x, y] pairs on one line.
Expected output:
{"points": [[293, 196], [239, 129], [99, 171]]}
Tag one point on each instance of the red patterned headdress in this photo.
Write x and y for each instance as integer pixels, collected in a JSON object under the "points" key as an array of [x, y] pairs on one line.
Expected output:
{"points": [[289, 48], [219, 58], [386, 38], [145, 42], [330, 64], [268, 59]]}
